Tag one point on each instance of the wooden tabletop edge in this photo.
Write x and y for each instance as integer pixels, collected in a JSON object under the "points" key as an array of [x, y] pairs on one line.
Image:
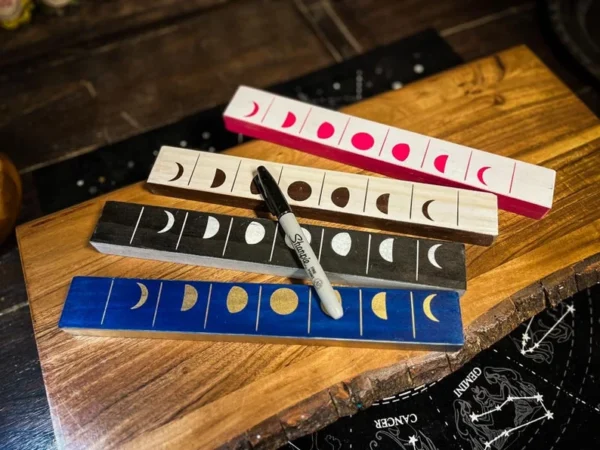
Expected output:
{"points": [[347, 397]]}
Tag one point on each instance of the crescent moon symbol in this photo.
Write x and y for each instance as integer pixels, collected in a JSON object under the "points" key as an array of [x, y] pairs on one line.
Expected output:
{"points": [[143, 296], [379, 306], [190, 297], [427, 308], [425, 209], [170, 222], [431, 255], [289, 121], [254, 110], [179, 172], [212, 228], [481, 173], [386, 249]]}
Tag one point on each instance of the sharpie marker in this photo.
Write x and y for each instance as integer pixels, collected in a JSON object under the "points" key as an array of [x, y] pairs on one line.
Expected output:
{"points": [[280, 208]]}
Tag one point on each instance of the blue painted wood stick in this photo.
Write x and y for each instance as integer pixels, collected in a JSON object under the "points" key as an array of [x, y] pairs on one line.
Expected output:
{"points": [[278, 313]]}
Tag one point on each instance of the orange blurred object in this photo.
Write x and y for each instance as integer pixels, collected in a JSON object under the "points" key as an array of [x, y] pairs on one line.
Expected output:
{"points": [[11, 194]]}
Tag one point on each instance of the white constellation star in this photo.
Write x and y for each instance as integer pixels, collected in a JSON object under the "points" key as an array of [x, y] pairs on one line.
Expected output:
{"points": [[525, 338], [412, 440], [538, 397]]}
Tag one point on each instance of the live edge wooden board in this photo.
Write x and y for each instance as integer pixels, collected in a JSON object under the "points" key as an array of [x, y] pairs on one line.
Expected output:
{"points": [[107, 393]]}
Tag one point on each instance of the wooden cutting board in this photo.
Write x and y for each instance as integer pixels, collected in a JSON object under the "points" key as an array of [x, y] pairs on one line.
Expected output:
{"points": [[107, 393]]}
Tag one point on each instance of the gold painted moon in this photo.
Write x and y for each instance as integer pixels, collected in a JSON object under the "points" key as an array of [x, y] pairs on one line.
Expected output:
{"points": [[190, 297], [143, 296], [427, 308], [379, 305], [339, 298], [237, 299], [284, 301]]}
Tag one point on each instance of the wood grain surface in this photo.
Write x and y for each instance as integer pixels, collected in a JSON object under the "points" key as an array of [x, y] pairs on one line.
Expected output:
{"points": [[105, 393]]}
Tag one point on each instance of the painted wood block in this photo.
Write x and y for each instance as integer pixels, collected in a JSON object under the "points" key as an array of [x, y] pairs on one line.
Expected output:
{"points": [[414, 208], [259, 245], [280, 313], [521, 187]]}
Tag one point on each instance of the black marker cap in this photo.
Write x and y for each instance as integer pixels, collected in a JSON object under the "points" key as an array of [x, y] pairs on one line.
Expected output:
{"points": [[276, 201]]}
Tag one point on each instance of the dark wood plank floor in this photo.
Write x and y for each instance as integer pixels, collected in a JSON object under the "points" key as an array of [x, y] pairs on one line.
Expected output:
{"points": [[109, 70]]}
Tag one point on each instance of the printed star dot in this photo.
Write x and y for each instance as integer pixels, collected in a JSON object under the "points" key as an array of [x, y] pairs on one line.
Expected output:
{"points": [[523, 351], [412, 440], [505, 433], [510, 398], [550, 415], [487, 445], [571, 309], [538, 397], [474, 417], [536, 345], [498, 408], [525, 337]]}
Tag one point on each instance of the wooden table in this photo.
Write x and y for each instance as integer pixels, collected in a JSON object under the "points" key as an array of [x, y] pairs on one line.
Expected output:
{"points": [[105, 393]]}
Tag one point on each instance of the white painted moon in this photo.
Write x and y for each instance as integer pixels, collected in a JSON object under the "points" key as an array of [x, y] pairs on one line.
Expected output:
{"points": [[306, 235], [212, 227], [431, 255], [341, 244], [254, 233], [170, 222], [386, 249]]}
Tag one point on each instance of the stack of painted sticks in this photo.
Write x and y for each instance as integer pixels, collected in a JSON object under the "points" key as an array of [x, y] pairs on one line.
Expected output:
{"points": [[405, 290]]}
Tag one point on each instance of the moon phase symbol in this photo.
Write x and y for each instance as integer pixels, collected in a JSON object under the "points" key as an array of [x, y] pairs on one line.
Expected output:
{"points": [[481, 173], [440, 163], [299, 190], [190, 297], [401, 151], [212, 227], [425, 209], [362, 141], [340, 197], [431, 255], [254, 110], [325, 130], [306, 234], [170, 222], [254, 233], [341, 244], [386, 249], [143, 296], [218, 179], [383, 202], [284, 301], [290, 120], [339, 299], [427, 308], [179, 172], [237, 299], [379, 305]]}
